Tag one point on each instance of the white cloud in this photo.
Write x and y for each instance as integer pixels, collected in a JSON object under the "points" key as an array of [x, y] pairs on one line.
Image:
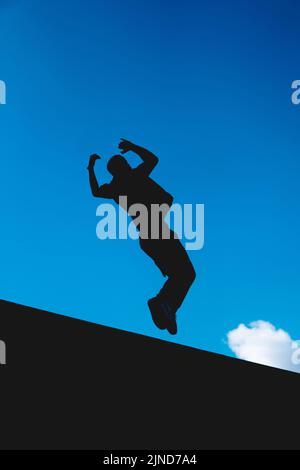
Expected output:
{"points": [[262, 343]]}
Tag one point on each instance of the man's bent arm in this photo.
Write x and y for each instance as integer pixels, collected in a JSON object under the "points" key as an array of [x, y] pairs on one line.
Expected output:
{"points": [[93, 181], [97, 191], [149, 159]]}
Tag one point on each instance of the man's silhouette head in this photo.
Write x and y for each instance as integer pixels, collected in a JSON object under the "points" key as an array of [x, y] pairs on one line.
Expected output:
{"points": [[118, 165]]}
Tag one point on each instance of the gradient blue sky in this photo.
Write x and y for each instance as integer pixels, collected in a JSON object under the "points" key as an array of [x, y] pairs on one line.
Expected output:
{"points": [[206, 86]]}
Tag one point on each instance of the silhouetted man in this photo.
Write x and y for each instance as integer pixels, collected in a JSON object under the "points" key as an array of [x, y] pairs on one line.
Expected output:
{"points": [[167, 253]]}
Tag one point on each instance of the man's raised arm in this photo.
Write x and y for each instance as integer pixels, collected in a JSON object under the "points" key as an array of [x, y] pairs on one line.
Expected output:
{"points": [[149, 159], [97, 191]]}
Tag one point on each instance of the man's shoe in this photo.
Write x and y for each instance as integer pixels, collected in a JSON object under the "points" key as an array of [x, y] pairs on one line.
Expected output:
{"points": [[170, 318], [157, 313]]}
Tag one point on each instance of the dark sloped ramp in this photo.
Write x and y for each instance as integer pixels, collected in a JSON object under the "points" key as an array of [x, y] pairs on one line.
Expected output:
{"points": [[70, 384]]}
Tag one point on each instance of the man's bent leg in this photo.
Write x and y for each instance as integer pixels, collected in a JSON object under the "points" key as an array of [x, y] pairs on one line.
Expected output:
{"points": [[181, 274], [172, 259]]}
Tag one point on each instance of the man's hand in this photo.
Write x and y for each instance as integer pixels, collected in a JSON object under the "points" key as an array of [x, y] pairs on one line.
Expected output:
{"points": [[93, 159], [126, 145]]}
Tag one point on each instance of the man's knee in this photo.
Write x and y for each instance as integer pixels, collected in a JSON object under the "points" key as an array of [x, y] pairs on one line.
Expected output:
{"points": [[189, 273], [192, 274]]}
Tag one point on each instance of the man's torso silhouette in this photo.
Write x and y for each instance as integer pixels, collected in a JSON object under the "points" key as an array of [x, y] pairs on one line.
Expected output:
{"points": [[138, 187]]}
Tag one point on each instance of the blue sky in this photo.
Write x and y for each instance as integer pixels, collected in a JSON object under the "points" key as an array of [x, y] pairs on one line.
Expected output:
{"points": [[206, 86]]}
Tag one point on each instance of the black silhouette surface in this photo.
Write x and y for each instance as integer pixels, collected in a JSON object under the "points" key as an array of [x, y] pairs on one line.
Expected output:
{"points": [[71, 384], [164, 247]]}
